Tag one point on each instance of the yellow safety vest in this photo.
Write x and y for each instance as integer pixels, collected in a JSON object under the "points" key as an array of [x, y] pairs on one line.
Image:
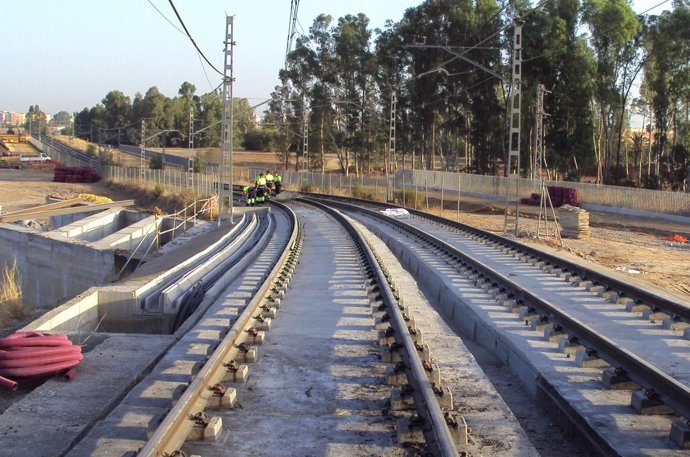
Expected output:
{"points": [[269, 178], [261, 181]]}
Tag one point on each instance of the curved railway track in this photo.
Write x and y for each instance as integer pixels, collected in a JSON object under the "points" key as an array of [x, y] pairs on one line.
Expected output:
{"points": [[316, 283], [637, 338], [189, 415]]}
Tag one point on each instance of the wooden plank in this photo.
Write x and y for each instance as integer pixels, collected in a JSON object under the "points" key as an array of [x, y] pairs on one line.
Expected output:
{"points": [[47, 206], [70, 210]]}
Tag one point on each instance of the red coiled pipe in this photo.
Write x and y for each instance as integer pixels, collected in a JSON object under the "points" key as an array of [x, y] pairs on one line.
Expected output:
{"points": [[27, 356]]}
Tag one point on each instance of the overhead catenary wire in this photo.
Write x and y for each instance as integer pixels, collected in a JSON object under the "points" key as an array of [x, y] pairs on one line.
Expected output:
{"points": [[166, 18], [179, 18], [203, 67]]}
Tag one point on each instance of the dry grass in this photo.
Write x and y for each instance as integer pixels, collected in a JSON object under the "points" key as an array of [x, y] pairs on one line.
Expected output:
{"points": [[11, 306], [156, 196]]}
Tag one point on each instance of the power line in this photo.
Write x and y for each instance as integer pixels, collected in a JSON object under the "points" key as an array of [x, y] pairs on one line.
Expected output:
{"points": [[165, 17], [203, 67], [192, 39]]}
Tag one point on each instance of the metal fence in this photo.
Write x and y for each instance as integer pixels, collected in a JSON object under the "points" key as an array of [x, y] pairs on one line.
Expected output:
{"points": [[676, 203], [416, 183]]}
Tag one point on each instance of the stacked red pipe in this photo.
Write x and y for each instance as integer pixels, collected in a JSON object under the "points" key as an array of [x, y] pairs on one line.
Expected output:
{"points": [[31, 356], [75, 174]]}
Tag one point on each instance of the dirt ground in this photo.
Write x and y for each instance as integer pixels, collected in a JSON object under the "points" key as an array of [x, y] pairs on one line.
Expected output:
{"points": [[626, 246]]}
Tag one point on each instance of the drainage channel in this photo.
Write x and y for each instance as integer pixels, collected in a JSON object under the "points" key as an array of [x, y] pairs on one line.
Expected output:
{"points": [[593, 346], [136, 417], [320, 386]]}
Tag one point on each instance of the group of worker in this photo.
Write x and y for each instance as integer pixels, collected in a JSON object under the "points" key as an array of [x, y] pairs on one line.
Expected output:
{"points": [[263, 188]]}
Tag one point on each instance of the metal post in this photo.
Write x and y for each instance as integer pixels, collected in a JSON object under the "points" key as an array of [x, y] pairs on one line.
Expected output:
{"points": [[442, 190], [404, 197], [426, 193], [142, 165], [305, 143], [539, 133], [512, 172], [190, 162], [225, 175], [391, 145], [458, 216]]}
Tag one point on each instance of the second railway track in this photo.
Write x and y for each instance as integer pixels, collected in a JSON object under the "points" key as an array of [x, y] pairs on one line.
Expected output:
{"points": [[616, 367]]}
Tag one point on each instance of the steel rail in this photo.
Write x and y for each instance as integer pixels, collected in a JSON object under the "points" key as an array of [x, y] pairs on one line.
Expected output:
{"points": [[637, 293], [173, 430], [670, 391], [430, 407]]}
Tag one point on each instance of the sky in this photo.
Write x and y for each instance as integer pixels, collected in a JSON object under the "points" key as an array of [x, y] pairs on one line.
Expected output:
{"points": [[67, 55]]}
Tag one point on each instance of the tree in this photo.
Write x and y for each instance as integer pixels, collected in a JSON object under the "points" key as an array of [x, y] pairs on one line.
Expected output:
{"points": [[62, 118], [36, 120], [615, 39], [667, 79]]}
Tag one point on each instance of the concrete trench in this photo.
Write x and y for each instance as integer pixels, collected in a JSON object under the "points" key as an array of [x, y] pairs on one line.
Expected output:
{"points": [[122, 342]]}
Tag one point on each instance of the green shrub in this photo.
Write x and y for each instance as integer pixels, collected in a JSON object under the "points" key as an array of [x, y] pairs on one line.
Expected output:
{"points": [[91, 150], [406, 198], [158, 191], [307, 188], [199, 162], [156, 163], [363, 193]]}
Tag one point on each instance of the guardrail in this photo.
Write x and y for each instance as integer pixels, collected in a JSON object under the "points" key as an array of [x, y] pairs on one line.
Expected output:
{"points": [[195, 209]]}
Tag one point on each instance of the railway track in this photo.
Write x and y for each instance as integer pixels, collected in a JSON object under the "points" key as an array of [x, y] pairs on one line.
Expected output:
{"points": [[360, 340], [352, 323], [618, 331], [318, 389]]}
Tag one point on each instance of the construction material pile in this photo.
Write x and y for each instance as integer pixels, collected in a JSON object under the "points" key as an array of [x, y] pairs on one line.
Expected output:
{"points": [[75, 174], [559, 196], [28, 357], [574, 222], [93, 198]]}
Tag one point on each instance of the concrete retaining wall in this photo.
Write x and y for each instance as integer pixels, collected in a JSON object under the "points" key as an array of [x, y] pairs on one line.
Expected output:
{"points": [[51, 270], [129, 237]]}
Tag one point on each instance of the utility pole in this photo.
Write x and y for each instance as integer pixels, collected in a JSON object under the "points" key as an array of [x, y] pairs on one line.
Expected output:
{"points": [[190, 161], [538, 156], [226, 147], [512, 164], [305, 143], [164, 140], [391, 148], [142, 163]]}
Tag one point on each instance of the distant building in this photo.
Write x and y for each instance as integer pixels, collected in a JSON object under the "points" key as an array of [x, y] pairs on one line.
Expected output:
{"points": [[11, 119]]}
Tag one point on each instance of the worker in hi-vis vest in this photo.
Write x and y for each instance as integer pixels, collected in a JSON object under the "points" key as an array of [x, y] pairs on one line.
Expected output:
{"points": [[260, 188], [249, 194], [277, 180]]}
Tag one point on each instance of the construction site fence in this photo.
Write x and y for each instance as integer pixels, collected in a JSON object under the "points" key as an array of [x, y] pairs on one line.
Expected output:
{"points": [[420, 182], [448, 186]]}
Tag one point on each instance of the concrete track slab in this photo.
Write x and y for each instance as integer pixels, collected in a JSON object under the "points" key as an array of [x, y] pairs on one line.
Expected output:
{"points": [[668, 350], [318, 386], [551, 377], [494, 430]]}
